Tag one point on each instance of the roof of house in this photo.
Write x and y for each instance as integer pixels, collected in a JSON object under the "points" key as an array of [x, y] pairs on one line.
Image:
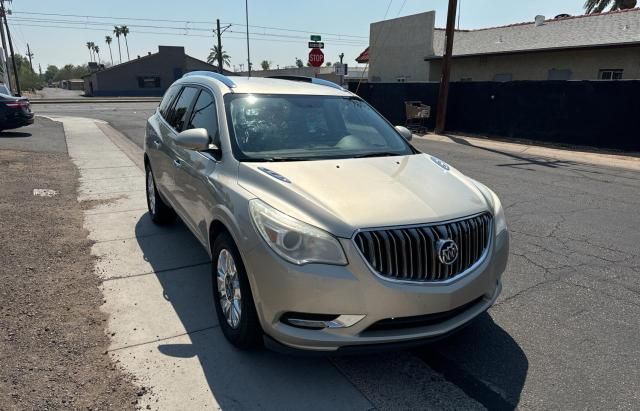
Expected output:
{"points": [[364, 56], [603, 29]]}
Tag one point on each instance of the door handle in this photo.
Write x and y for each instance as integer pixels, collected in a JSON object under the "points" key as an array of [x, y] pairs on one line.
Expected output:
{"points": [[157, 143], [177, 163]]}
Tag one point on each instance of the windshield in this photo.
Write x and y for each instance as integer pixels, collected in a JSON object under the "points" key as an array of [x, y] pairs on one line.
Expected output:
{"points": [[302, 127]]}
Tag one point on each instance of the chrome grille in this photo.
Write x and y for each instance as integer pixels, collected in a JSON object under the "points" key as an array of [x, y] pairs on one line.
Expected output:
{"points": [[410, 253]]}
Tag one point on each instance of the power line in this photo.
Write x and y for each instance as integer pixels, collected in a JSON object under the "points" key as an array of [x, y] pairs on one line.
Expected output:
{"points": [[188, 22], [169, 34], [84, 24]]}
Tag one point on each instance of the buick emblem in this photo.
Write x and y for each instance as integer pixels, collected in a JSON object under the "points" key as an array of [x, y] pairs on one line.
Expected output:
{"points": [[447, 251]]}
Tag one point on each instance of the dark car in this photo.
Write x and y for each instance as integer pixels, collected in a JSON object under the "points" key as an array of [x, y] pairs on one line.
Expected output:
{"points": [[14, 112]]}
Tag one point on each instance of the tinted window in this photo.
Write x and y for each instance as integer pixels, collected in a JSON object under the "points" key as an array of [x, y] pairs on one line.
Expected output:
{"points": [[167, 100], [178, 117], [205, 116]]}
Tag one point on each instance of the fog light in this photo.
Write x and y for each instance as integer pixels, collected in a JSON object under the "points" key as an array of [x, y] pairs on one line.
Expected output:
{"points": [[320, 321]]}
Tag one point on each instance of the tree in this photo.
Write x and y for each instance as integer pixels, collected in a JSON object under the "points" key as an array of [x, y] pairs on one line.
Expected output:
{"points": [[28, 79], [213, 57], [265, 64], [124, 30], [108, 40], [598, 6], [328, 64], [51, 73], [69, 72], [90, 47], [117, 32], [97, 50], [299, 63]]}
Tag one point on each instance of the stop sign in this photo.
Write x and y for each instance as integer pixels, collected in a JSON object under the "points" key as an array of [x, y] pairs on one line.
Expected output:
{"points": [[316, 57]]}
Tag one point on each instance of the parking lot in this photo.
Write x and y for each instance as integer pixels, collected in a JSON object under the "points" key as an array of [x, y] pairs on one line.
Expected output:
{"points": [[563, 334]]}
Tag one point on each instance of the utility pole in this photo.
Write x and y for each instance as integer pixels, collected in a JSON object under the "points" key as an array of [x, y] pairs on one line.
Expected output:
{"points": [[219, 46], [246, 12], [219, 33], [40, 69], [30, 55], [4, 47], [13, 57], [443, 93]]}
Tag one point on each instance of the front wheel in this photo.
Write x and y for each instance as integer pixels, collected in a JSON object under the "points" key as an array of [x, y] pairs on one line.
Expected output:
{"points": [[159, 211], [232, 296]]}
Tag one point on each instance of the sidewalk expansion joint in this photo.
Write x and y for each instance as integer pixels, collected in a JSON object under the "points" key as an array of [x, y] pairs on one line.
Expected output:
{"points": [[164, 338], [113, 211], [182, 267]]}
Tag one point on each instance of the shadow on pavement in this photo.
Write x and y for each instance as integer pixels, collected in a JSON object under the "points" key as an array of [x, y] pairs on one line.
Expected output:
{"points": [[238, 379], [483, 360], [524, 160], [14, 134]]}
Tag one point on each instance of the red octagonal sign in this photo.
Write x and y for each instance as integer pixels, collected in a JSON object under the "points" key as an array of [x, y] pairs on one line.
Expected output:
{"points": [[316, 57]]}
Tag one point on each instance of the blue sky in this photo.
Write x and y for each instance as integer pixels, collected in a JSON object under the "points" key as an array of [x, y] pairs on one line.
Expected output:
{"points": [[346, 23]]}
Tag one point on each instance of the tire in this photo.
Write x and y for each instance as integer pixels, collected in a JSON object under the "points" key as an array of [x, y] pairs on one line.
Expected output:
{"points": [[242, 329], [159, 211]]}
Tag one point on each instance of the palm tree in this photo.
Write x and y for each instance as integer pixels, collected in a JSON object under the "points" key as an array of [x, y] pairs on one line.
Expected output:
{"points": [[125, 30], [108, 40], [97, 50], [90, 47], [213, 57], [598, 6], [117, 32]]}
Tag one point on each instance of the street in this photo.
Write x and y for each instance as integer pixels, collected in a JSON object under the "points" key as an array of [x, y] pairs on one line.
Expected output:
{"points": [[563, 334]]}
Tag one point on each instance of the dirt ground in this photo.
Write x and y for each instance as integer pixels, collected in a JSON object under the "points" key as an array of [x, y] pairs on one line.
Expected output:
{"points": [[52, 339]]}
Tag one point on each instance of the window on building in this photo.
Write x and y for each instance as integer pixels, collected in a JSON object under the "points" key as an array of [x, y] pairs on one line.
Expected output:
{"points": [[610, 74], [555, 74], [178, 115], [466, 79], [149, 82], [503, 77], [204, 116]]}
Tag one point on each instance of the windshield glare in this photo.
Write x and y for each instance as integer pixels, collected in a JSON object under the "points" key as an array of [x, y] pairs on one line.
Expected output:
{"points": [[295, 127]]}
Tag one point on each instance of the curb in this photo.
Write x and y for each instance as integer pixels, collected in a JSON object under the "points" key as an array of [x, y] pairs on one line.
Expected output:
{"points": [[585, 157]]}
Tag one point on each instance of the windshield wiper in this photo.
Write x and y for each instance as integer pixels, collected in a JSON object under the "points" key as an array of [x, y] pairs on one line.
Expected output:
{"points": [[376, 154]]}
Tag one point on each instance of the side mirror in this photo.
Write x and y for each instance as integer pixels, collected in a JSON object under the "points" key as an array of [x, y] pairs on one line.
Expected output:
{"points": [[195, 139], [405, 132]]}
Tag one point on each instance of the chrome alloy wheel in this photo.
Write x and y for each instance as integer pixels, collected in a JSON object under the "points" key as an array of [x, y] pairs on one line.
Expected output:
{"points": [[151, 192], [229, 288]]}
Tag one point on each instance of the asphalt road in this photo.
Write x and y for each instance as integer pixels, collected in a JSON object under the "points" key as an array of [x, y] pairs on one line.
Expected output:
{"points": [[565, 332]]}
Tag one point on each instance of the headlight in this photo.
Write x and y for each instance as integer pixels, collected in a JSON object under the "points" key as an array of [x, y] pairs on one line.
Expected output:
{"points": [[295, 241], [498, 212]]}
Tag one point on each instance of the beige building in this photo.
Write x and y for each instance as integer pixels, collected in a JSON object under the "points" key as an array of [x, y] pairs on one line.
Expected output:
{"points": [[398, 47], [602, 46]]}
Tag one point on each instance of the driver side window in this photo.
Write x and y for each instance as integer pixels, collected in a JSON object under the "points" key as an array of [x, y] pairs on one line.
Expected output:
{"points": [[205, 116]]}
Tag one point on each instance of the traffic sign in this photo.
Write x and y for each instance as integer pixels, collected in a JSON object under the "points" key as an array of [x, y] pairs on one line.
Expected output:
{"points": [[341, 69], [315, 37], [316, 45], [316, 57]]}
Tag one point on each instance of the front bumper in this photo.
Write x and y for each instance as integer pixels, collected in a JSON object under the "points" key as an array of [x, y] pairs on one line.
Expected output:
{"points": [[280, 287]]}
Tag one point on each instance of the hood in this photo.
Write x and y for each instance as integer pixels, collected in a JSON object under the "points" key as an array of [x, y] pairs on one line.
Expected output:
{"points": [[343, 195]]}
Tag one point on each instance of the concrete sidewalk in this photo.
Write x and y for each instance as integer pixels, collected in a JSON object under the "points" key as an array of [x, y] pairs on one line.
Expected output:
{"points": [[163, 328], [599, 159]]}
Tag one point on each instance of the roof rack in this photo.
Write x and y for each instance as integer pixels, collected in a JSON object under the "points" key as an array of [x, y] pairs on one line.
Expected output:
{"points": [[220, 77], [312, 80]]}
